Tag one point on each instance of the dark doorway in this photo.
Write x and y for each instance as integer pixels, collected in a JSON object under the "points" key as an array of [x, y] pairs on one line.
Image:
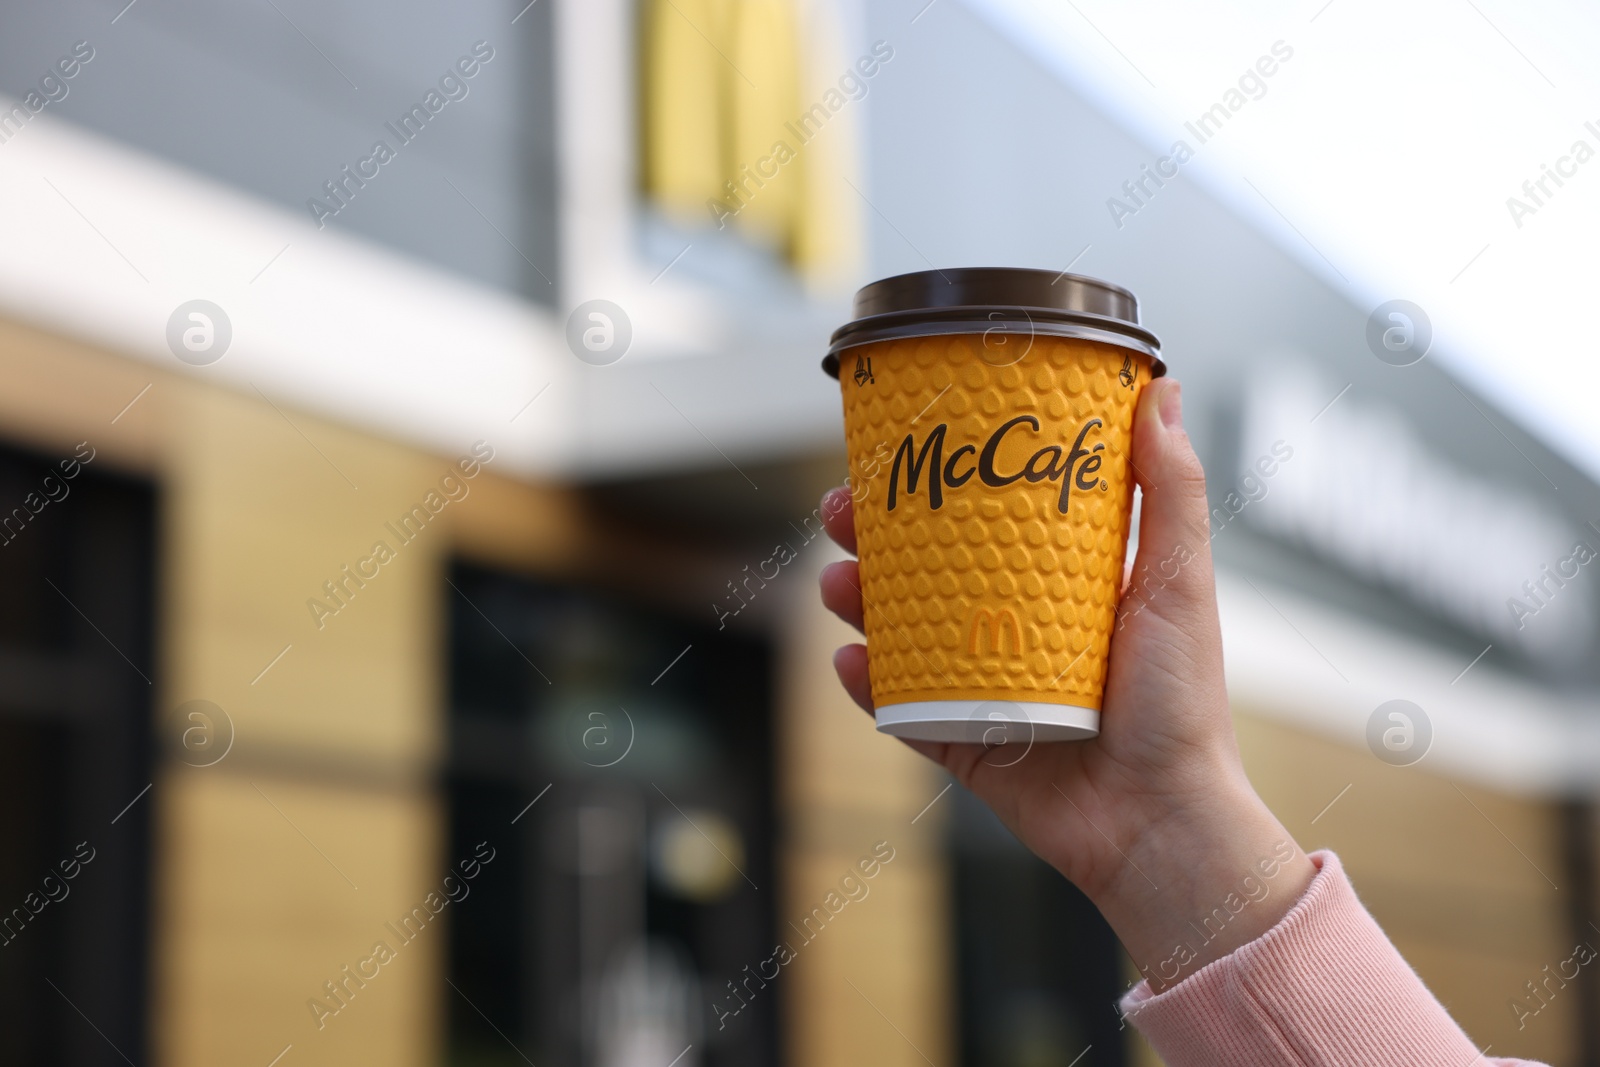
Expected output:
{"points": [[618, 758], [76, 565], [1039, 969]]}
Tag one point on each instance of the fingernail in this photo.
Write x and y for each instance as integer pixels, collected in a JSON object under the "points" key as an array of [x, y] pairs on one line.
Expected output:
{"points": [[1171, 404]]}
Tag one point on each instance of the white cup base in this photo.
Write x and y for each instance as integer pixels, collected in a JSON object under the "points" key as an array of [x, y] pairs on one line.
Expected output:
{"points": [[988, 721]]}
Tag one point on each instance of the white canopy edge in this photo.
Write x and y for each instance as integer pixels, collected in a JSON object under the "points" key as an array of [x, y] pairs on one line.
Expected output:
{"points": [[1301, 662]]}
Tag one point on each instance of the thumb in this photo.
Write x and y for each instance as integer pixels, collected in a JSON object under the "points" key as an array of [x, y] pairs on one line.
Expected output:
{"points": [[1174, 563]]}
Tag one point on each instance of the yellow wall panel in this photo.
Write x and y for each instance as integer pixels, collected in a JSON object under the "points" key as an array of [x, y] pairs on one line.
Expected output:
{"points": [[258, 521], [1455, 874], [256, 915], [844, 787], [59, 392]]}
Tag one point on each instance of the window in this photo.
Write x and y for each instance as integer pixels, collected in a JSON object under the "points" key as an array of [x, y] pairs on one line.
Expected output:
{"points": [[75, 760], [1039, 969], [617, 759]]}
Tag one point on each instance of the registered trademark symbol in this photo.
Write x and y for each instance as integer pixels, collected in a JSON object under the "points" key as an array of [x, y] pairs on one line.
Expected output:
{"points": [[1103, 485]]}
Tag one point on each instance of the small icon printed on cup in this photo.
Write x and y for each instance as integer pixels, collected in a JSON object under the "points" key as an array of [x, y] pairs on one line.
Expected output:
{"points": [[606, 737], [1006, 341], [1399, 733], [599, 332], [199, 332], [1007, 732], [1399, 333], [863, 374], [207, 733]]}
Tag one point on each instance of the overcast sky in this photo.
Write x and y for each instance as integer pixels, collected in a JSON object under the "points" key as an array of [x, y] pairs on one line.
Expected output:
{"points": [[1391, 141]]}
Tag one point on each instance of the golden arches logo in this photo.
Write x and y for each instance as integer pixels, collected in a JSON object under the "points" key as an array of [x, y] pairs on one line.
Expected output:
{"points": [[734, 95], [995, 626]]}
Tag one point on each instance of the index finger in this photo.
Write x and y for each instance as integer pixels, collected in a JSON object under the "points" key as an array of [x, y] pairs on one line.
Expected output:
{"points": [[839, 517]]}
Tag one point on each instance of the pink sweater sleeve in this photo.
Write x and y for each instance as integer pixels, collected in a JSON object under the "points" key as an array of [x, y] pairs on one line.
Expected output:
{"points": [[1323, 987]]}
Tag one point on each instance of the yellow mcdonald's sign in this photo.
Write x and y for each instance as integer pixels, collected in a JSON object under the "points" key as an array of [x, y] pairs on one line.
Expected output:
{"points": [[989, 630], [724, 83]]}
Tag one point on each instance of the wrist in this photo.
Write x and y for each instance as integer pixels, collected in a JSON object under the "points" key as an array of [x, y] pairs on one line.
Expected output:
{"points": [[1202, 880]]}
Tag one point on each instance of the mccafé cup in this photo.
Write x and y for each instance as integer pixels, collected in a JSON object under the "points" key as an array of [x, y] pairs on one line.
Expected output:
{"points": [[988, 414]]}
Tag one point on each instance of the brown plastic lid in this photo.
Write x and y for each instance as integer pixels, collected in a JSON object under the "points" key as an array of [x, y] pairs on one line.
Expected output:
{"points": [[978, 299]]}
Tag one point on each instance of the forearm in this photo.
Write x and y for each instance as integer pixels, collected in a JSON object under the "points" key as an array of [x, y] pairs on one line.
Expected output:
{"points": [[1202, 881], [1323, 987]]}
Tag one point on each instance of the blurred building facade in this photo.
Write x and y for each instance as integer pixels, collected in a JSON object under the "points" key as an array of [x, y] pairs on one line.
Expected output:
{"points": [[431, 686]]}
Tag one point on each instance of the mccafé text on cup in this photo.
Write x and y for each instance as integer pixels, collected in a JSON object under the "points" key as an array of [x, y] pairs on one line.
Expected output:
{"points": [[988, 414]]}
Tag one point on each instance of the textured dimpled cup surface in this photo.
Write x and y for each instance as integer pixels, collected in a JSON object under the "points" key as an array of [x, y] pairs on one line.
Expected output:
{"points": [[992, 499]]}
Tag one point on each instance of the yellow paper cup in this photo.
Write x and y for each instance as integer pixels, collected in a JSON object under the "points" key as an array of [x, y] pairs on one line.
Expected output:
{"points": [[988, 414]]}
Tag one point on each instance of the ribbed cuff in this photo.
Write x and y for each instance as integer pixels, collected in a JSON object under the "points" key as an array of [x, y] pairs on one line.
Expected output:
{"points": [[1323, 986]]}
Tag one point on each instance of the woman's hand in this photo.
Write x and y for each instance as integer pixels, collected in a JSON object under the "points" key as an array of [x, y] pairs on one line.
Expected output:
{"points": [[1154, 819]]}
